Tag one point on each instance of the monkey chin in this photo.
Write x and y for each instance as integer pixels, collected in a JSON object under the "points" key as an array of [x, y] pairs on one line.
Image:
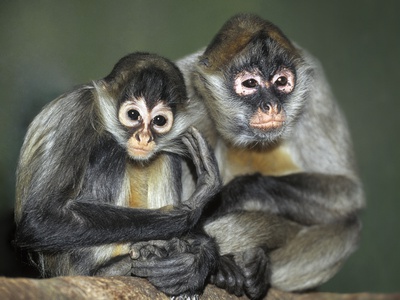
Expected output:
{"points": [[264, 136], [140, 154]]}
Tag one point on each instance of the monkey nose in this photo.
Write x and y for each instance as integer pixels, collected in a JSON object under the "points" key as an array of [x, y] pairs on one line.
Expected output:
{"points": [[265, 107], [269, 107], [144, 138]]}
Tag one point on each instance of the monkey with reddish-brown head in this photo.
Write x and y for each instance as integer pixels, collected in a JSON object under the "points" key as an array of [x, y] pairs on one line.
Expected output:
{"points": [[288, 215]]}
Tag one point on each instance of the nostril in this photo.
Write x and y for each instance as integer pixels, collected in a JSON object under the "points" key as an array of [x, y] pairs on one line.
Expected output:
{"points": [[266, 107], [271, 108], [137, 136]]}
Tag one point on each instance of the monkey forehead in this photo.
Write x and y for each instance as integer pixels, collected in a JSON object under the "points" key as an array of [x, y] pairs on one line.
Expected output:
{"points": [[236, 34], [147, 107], [155, 88]]}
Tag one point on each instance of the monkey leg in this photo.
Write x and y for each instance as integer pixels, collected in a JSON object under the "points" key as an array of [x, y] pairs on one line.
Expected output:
{"points": [[314, 255], [245, 240], [302, 257]]}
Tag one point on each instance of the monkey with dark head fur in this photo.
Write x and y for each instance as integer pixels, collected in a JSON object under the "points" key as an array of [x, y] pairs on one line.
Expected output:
{"points": [[288, 215], [100, 170], [284, 149]]}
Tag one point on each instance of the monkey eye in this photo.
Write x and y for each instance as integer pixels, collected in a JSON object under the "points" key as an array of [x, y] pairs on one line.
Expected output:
{"points": [[250, 83], [246, 83], [284, 80], [159, 121], [281, 81], [133, 114], [162, 118]]}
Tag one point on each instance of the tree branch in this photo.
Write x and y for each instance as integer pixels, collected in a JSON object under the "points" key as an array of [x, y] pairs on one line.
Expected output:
{"points": [[82, 287]]}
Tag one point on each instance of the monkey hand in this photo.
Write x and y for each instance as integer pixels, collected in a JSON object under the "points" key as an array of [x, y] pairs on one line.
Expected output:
{"points": [[208, 179], [245, 272], [177, 267]]}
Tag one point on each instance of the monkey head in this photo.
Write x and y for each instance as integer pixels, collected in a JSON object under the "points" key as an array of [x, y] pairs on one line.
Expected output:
{"points": [[147, 92], [253, 76]]}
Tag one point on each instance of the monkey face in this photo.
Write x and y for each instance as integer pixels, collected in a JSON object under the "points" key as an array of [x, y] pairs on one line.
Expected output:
{"points": [[252, 99], [250, 71], [269, 114], [140, 101], [144, 125]]}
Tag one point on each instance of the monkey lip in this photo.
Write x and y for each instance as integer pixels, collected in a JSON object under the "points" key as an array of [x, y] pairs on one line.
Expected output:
{"points": [[139, 150], [273, 124], [270, 120]]}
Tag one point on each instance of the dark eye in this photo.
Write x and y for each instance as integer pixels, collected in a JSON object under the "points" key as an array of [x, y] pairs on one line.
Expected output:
{"points": [[281, 81], [250, 83], [159, 121], [133, 115]]}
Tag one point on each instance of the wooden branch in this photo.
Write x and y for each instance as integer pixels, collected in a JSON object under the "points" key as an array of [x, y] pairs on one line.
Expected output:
{"points": [[81, 287]]}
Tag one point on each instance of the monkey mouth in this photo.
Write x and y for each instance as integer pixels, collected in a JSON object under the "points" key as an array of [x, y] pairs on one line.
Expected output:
{"points": [[139, 152], [267, 121], [271, 125]]}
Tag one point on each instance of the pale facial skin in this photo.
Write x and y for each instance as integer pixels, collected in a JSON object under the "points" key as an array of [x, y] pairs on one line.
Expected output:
{"points": [[145, 123], [249, 82]]}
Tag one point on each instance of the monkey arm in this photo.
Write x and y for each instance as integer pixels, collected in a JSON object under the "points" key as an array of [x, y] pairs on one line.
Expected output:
{"points": [[51, 221], [85, 224], [306, 198]]}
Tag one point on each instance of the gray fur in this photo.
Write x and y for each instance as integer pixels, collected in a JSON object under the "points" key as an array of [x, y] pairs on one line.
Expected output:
{"points": [[322, 226], [83, 199]]}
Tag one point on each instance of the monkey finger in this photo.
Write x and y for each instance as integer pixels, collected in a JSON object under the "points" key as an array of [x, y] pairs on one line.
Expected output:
{"points": [[179, 282], [148, 249], [229, 276], [134, 251], [157, 267], [194, 153], [256, 271], [189, 134], [174, 285], [209, 162]]}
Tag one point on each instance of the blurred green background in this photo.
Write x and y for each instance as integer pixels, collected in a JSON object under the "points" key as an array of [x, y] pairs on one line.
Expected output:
{"points": [[47, 47]]}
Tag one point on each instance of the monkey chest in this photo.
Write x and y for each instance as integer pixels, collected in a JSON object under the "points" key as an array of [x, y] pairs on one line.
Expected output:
{"points": [[274, 162], [137, 187], [150, 186]]}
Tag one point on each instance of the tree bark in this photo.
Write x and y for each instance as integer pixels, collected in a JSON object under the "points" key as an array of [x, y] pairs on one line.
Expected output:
{"points": [[82, 287]]}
